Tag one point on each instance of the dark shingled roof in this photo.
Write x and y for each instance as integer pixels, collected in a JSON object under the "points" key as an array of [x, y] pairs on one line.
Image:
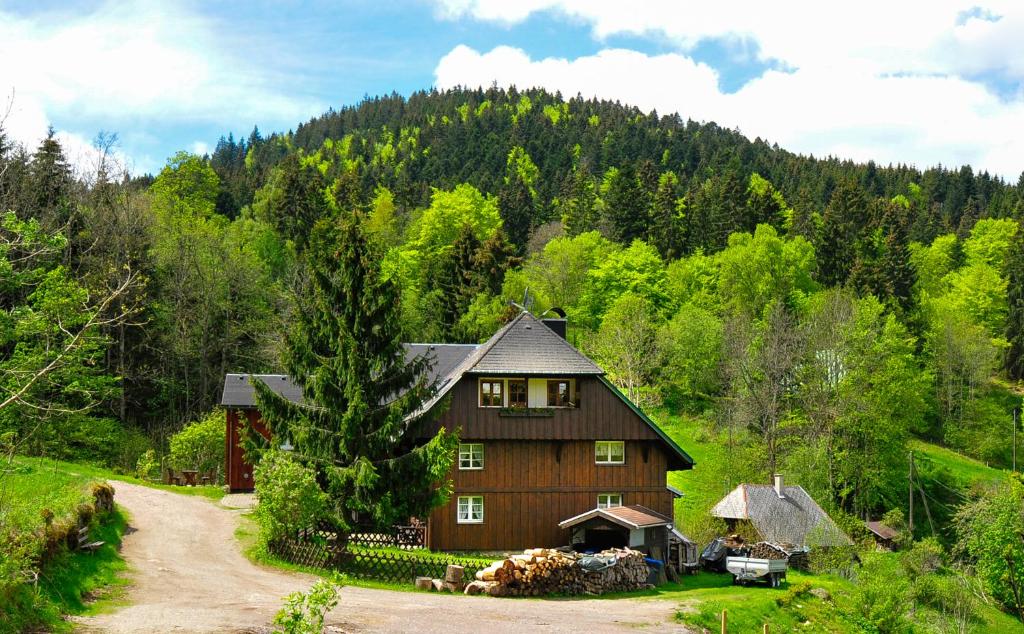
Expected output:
{"points": [[239, 392], [526, 346], [793, 518]]}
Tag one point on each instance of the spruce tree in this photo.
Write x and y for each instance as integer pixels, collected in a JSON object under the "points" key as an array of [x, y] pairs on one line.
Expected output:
{"points": [[456, 280], [666, 232], [1015, 316], [51, 184], [360, 424], [578, 202], [516, 207]]}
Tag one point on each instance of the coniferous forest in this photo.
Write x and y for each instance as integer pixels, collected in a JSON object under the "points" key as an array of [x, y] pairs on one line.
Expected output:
{"points": [[816, 316]]}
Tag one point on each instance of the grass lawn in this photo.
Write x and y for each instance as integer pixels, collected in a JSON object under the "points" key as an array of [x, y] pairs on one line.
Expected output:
{"points": [[967, 470], [79, 470], [70, 582]]}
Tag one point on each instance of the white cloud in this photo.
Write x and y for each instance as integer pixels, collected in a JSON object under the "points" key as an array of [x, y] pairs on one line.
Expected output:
{"points": [[882, 35], [140, 63], [856, 113]]}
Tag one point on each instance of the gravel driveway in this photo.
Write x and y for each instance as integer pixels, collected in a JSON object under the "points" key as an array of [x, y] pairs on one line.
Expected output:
{"points": [[189, 575]]}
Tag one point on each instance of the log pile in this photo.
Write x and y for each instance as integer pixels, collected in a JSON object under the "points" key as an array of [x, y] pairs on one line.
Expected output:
{"points": [[541, 571], [766, 550]]}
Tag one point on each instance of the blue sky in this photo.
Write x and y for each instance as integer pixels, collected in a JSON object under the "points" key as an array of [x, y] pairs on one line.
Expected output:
{"points": [[935, 83]]}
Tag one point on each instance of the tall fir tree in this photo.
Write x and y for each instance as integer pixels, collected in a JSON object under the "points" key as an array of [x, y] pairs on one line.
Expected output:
{"points": [[843, 221], [578, 203], [456, 280], [51, 182], [516, 207], [625, 208], [667, 218], [360, 424], [1015, 315]]}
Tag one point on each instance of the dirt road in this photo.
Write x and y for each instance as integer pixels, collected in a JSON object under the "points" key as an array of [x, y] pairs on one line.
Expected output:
{"points": [[190, 576]]}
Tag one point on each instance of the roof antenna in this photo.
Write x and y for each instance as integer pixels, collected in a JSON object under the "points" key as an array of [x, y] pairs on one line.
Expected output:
{"points": [[525, 306]]}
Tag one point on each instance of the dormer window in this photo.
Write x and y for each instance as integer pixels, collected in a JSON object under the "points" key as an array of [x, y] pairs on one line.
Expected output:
{"points": [[491, 393]]}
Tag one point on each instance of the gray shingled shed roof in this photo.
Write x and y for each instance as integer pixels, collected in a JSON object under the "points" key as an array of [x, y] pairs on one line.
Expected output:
{"points": [[239, 392], [526, 346], [793, 518]]}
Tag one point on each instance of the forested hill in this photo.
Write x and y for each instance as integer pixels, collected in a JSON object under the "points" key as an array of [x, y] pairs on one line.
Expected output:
{"points": [[815, 313], [442, 139]]}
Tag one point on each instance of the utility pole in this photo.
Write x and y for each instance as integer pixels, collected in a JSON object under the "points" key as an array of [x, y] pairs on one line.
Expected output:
{"points": [[1014, 435], [910, 494]]}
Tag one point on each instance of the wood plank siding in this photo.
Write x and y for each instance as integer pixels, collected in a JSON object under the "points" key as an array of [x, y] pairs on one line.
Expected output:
{"points": [[527, 491], [238, 469], [541, 470], [600, 415]]}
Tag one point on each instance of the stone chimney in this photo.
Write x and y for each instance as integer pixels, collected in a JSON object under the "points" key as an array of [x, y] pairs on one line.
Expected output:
{"points": [[779, 487]]}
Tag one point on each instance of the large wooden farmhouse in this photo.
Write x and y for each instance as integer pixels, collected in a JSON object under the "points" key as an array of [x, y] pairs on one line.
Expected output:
{"points": [[551, 452]]}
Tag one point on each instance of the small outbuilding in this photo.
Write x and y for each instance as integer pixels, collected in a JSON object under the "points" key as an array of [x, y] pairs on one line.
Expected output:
{"points": [[885, 536], [634, 526], [780, 514]]}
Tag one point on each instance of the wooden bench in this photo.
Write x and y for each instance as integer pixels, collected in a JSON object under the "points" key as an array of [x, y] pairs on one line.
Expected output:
{"points": [[84, 543]]}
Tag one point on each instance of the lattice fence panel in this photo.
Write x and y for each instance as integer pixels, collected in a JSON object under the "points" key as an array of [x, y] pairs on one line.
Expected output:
{"points": [[393, 567]]}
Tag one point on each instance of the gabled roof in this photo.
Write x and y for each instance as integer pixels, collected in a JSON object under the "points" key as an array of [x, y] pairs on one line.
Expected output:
{"points": [[632, 517], [526, 345], [793, 518]]}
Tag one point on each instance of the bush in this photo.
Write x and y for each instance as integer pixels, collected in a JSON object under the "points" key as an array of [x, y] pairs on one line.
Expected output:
{"points": [[288, 494], [147, 466], [303, 613], [200, 445]]}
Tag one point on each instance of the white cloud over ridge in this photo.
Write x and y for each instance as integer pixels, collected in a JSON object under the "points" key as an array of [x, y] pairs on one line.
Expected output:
{"points": [[129, 62], [894, 82]]}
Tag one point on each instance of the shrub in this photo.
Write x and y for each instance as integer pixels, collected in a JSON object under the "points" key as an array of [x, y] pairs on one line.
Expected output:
{"points": [[147, 465], [304, 613], [289, 496], [200, 445]]}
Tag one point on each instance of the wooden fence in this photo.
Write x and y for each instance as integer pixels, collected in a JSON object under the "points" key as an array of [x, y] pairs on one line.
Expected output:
{"points": [[367, 563]]}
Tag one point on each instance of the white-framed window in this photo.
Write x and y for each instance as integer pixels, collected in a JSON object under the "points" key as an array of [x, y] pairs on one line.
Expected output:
{"points": [[471, 456], [608, 500], [471, 509], [492, 393], [610, 451]]}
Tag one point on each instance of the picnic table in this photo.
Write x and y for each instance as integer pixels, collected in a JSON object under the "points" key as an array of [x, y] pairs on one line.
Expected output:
{"points": [[190, 477]]}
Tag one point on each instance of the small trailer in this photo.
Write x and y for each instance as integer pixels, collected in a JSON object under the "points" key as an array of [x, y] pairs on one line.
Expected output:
{"points": [[746, 569]]}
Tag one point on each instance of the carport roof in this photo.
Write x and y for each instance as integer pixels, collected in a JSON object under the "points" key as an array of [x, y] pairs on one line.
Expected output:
{"points": [[632, 516]]}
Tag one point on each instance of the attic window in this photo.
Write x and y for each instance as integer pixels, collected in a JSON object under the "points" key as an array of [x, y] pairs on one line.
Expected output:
{"points": [[491, 393], [517, 393], [559, 394]]}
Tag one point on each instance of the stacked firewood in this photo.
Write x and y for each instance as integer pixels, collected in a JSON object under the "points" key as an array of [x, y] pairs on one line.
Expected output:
{"points": [[766, 550], [541, 571]]}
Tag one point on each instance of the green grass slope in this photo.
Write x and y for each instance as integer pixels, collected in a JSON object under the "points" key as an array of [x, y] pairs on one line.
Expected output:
{"points": [[967, 470], [37, 497]]}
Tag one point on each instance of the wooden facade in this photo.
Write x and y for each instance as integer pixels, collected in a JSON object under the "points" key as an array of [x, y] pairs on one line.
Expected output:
{"points": [[238, 471], [539, 470], [541, 412], [528, 487]]}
